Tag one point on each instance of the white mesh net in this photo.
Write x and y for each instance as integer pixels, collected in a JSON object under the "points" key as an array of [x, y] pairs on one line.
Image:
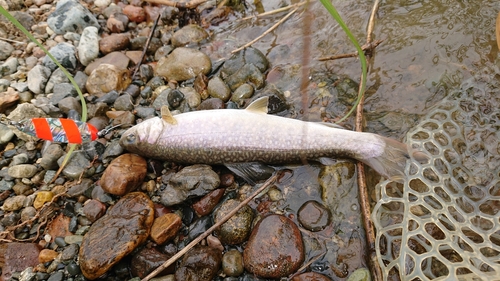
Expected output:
{"points": [[443, 222]]}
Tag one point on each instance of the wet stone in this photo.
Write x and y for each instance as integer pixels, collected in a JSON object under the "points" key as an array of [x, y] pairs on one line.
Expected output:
{"points": [[79, 189], [200, 263], [206, 204], [275, 248], [94, 210], [124, 174], [183, 64], [196, 180], [161, 99], [165, 228], [189, 34], [147, 260], [70, 252], [114, 42], [57, 276], [64, 53], [218, 89], [246, 56], [243, 92], [17, 257], [77, 165], [198, 227], [174, 98], [238, 227], [232, 263], [71, 16], [115, 235], [311, 276], [144, 112], [249, 73], [105, 78], [22, 171], [19, 159], [314, 216]]}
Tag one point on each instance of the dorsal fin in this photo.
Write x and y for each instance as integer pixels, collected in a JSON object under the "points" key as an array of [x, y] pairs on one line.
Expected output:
{"points": [[259, 105], [167, 116]]}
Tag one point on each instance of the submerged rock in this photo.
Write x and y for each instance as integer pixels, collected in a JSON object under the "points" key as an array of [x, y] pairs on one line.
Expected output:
{"points": [[125, 226], [201, 263]]}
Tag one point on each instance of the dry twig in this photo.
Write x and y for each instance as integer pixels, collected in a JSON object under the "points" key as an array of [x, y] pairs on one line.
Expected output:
{"points": [[210, 230], [275, 11], [367, 48], [146, 46], [266, 32]]}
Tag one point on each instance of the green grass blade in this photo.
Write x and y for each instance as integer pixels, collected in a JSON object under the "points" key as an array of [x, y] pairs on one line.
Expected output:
{"points": [[6, 14], [331, 9]]}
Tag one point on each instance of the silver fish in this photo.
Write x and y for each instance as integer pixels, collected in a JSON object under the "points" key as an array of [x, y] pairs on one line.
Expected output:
{"points": [[229, 136]]}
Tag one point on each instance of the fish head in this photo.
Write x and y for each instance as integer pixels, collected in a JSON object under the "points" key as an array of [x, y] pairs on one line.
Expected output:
{"points": [[142, 135]]}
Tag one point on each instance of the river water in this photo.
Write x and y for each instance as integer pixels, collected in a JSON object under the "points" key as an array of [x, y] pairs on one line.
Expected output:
{"points": [[429, 49]]}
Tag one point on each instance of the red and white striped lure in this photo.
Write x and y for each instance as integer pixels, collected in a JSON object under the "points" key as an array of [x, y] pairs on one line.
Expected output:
{"points": [[59, 130]]}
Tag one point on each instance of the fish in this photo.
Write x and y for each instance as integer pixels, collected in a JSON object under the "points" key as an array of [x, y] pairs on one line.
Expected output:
{"points": [[227, 136], [61, 130]]}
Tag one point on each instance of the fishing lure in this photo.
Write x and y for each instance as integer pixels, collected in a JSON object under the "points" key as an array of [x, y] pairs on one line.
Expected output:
{"points": [[59, 130]]}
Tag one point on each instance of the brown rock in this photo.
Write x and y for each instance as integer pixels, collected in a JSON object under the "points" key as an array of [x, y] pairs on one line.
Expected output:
{"points": [[189, 34], [47, 255], [107, 77], [15, 257], [165, 228], [114, 42], [311, 276], [275, 248], [117, 23], [201, 263], [135, 14], [161, 210], [8, 99], [124, 174], [313, 216], [152, 12], [117, 59], [58, 227], [94, 210], [183, 64], [134, 56], [147, 260], [115, 235], [206, 204]]}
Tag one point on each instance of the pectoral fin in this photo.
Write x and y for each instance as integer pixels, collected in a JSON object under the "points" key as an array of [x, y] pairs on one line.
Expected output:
{"points": [[251, 172], [166, 115]]}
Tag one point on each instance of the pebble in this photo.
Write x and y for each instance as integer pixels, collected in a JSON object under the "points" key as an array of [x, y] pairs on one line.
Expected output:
{"points": [[189, 34], [18, 159], [124, 103], [57, 77], [191, 96], [116, 234], [94, 209], [114, 42], [71, 16], [17, 257], [245, 91], [9, 66], [70, 103], [360, 274], [117, 23], [37, 78], [207, 203], [73, 239], [248, 73], [119, 60], [232, 263], [14, 203], [42, 197], [147, 260], [77, 165], [28, 213], [183, 64], [70, 252], [275, 248], [88, 47], [199, 261], [237, 228], [218, 89], [61, 91], [64, 53], [8, 99], [47, 255], [6, 50], [124, 174], [195, 180], [105, 78], [165, 228], [134, 13], [174, 98], [313, 216], [311, 276], [22, 171], [57, 276], [160, 100]]}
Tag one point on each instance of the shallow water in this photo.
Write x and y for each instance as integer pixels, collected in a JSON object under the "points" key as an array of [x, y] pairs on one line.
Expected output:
{"points": [[430, 48]]}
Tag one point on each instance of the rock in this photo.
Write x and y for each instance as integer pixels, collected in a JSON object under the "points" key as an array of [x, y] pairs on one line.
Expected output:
{"points": [[161, 99], [58, 227], [138, 43], [22, 171], [105, 78], [117, 59], [18, 159], [275, 248], [57, 77], [124, 174], [189, 34], [37, 78], [241, 93], [13, 203], [42, 197], [134, 13], [17, 257], [311, 276], [147, 260], [191, 96], [117, 23], [71, 16], [6, 50], [70, 103], [61, 91], [218, 89], [237, 228], [183, 64], [206, 204], [77, 166], [313, 216], [70, 252], [196, 180], [50, 156], [57, 276], [88, 48], [124, 103], [9, 66], [165, 228], [115, 235], [360, 274], [232, 263], [47, 255], [64, 53], [174, 98], [28, 213], [249, 73], [114, 42], [246, 56], [200, 263], [94, 210], [8, 99]]}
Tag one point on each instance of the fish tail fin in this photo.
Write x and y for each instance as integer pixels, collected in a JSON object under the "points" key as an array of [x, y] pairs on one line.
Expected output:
{"points": [[391, 162]]}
